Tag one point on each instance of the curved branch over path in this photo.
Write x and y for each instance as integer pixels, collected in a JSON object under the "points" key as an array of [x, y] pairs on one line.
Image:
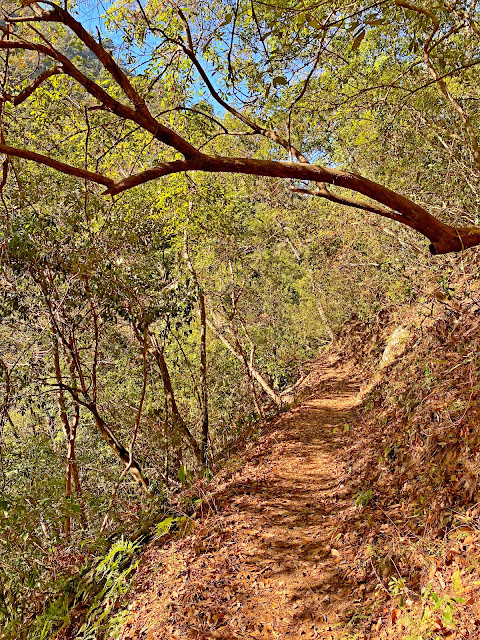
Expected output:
{"points": [[444, 238]]}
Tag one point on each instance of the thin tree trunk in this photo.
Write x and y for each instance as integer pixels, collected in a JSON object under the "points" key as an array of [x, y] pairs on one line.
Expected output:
{"points": [[120, 450], [5, 415], [203, 351], [203, 371], [319, 305], [253, 370], [135, 432], [167, 444], [88, 403], [249, 367], [177, 419], [70, 431], [321, 311], [78, 486], [248, 363], [68, 489]]}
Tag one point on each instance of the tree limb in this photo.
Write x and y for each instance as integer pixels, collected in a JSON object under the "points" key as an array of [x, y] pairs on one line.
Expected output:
{"points": [[139, 114], [357, 204], [444, 238], [27, 92], [56, 164]]}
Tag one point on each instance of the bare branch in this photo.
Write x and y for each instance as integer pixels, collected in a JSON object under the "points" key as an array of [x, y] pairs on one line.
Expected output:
{"points": [[56, 164], [323, 192], [27, 92]]}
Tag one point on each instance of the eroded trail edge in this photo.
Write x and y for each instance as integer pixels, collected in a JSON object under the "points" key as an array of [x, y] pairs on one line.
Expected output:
{"points": [[272, 555]]}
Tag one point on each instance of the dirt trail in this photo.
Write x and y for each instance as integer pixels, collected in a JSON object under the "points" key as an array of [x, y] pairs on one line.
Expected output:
{"points": [[270, 557]]}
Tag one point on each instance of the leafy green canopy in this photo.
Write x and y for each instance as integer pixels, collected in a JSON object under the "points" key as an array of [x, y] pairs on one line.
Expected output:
{"points": [[318, 79]]}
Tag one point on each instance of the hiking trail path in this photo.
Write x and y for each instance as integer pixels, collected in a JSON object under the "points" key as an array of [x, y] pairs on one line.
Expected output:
{"points": [[272, 551]]}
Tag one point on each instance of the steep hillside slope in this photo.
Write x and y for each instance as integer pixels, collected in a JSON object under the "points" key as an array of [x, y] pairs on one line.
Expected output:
{"points": [[354, 514]]}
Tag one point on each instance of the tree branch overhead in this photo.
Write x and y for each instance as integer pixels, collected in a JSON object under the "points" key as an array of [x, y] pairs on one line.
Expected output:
{"points": [[444, 238]]}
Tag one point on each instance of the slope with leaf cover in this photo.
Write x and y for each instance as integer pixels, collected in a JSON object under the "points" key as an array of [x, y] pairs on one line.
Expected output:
{"points": [[340, 520]]}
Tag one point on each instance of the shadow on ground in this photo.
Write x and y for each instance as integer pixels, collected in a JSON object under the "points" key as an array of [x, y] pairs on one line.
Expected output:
{"points": [[273, 551]]}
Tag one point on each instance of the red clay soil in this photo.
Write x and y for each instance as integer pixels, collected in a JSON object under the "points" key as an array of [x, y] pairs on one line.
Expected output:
{"points": [[266, 558]]}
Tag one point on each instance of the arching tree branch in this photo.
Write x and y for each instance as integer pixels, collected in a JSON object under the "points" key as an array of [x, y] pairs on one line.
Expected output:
{"points": [[323, 192], [443, 238]]}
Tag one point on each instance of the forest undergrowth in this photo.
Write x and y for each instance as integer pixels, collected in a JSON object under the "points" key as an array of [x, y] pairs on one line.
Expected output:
{"points": [[239, 320], [353, 515]]}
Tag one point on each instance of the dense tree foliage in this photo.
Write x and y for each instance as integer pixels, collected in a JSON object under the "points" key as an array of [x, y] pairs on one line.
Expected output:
{"points": [[144, 329], [247, 49]]}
